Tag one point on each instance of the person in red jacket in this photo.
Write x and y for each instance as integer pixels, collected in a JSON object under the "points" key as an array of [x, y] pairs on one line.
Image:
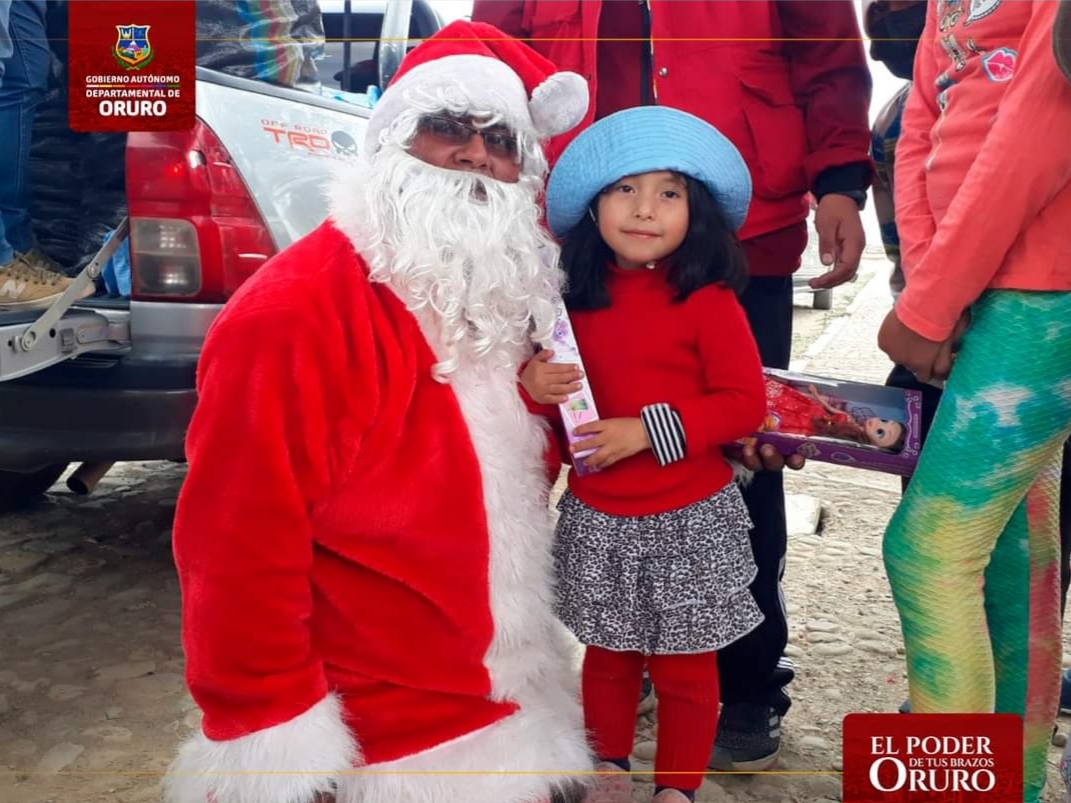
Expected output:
{"points": [[787, 83], [363, 539]]}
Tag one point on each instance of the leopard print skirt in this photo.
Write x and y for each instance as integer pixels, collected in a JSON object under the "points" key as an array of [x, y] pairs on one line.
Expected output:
{"points": [[674, 582]]}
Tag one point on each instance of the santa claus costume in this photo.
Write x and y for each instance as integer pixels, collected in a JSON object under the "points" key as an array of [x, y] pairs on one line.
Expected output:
{"points": [[363, 539]]}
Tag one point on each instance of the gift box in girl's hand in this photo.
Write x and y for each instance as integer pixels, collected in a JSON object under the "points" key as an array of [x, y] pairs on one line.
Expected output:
{"points": [[579, 408], [836, 421]]}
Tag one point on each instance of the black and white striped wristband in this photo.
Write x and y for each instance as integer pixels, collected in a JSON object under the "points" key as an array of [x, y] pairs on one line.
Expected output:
{"points": [[664, 431]]}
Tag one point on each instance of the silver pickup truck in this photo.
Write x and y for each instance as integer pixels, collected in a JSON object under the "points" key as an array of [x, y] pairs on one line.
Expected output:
{"points": [[112, 380]]}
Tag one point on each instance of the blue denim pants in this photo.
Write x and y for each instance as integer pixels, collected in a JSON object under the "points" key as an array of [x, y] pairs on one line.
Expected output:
{"points": [[24, 64]]}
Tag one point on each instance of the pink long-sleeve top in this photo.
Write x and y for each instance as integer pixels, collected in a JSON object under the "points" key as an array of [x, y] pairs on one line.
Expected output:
{"points": [[983, 181]]}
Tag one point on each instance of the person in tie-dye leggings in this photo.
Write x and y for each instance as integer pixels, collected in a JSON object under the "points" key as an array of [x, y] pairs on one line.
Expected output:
{"points": [[983, 197]]}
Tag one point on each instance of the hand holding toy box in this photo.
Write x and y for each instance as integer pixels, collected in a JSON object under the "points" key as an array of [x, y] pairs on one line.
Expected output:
{"points": [[835, 421], [579, 408]]}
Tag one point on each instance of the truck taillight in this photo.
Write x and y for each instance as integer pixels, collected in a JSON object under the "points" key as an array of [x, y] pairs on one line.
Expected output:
{"points": [[166, 257], [195, 232]]}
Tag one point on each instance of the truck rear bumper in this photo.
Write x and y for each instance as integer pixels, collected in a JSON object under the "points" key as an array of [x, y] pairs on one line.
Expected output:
{"points": [[97, 409]]}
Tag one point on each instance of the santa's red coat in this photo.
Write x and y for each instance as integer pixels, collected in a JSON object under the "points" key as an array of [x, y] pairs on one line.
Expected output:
{"points": [[365, 558]]}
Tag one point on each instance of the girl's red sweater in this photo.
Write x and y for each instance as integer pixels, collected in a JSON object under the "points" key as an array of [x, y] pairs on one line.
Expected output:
{"points": [[697, 355]]}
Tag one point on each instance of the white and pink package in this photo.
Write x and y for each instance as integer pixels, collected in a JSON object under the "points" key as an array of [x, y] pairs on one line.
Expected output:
{"points": [[579, 408]]}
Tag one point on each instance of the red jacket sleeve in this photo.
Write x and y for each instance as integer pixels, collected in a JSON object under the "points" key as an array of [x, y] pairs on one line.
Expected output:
{"points": [[506, 15], [734, 403], [830, 80], [257, 450]]}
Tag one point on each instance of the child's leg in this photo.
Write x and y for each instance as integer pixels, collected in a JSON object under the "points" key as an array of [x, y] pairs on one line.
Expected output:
{"points": [[1022, 605], [611, 685], [687, 689], [1001, 422]]}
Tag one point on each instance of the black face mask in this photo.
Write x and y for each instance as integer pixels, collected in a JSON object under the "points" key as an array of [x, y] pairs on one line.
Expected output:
{"points": [[895, 37]]}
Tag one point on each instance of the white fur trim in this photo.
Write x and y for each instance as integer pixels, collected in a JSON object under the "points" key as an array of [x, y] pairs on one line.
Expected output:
{"points": [[510, 445], [344, 206], [741, 475], [487, 83], [316, 746], [532, 659], [517, 760], [560, 103]]}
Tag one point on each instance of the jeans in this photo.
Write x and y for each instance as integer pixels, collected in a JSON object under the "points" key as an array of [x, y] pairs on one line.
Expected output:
{"points": [[24, 65]]}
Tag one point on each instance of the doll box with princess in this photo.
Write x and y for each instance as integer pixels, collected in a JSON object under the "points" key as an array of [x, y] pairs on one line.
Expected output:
{"points": [[579, 408], [836, 421]]}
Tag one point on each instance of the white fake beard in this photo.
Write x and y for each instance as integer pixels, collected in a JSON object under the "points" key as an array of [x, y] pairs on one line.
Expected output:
{"points": [[465, 252]]}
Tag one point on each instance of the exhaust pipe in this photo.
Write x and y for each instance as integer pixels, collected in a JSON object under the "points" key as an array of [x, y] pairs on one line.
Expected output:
{"points": [[86, 476]]}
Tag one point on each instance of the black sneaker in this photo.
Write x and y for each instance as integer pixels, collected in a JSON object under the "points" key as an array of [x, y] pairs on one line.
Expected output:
{"points": [[749, 738]]}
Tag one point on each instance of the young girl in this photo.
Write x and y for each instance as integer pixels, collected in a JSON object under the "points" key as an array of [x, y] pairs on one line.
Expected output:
{"points": [[652, 553], [983, 197]]}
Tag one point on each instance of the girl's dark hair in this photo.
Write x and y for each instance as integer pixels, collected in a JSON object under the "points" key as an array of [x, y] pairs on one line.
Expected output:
{"points": [[710, 254]]}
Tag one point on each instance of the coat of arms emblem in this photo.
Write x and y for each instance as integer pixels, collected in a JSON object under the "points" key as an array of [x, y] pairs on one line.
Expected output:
{"points": [[132, 49]]}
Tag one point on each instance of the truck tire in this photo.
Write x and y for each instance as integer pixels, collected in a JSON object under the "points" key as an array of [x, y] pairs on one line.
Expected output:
{"points": [[18, 490]]}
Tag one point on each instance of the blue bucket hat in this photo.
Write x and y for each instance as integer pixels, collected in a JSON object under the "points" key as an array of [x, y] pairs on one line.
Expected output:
{"points": [[643, 140]]}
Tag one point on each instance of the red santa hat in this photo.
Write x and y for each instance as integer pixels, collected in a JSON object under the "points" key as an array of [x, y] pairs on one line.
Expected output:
{"points": [[496, 72]]}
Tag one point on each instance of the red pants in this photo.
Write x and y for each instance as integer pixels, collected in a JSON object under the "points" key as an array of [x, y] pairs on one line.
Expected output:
{"points": [[687, 688]]}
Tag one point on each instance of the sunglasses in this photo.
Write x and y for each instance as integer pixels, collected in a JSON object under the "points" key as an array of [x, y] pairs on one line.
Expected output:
{"points": [[498, 140]]}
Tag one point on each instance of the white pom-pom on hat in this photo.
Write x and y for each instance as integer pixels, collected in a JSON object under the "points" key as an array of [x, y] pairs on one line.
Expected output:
{"points": [[560, 102]]}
